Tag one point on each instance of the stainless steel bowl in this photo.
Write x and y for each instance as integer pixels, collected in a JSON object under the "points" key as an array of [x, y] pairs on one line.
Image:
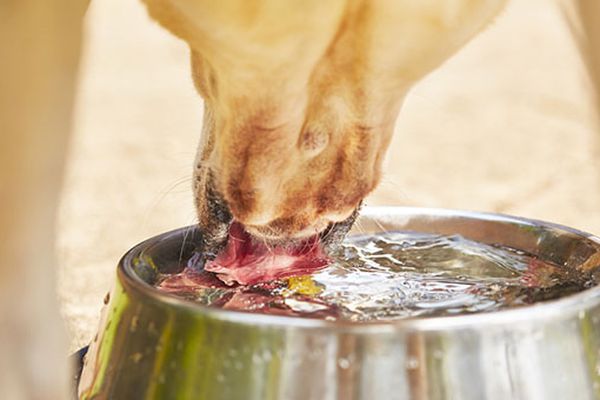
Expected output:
{"points": [[151, 345]]}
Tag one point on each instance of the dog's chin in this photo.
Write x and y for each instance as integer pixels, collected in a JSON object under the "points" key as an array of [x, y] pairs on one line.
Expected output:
{"points": [[215, 232], [328, 234]]}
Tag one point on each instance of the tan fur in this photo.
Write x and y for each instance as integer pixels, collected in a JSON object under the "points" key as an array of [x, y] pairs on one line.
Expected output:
{"points": [[304, 95]]}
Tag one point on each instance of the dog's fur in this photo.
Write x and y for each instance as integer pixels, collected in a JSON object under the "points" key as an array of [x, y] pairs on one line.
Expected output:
{"points": [[300, 100]]}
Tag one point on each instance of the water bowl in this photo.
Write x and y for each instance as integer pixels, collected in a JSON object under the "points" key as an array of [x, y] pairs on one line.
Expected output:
{"points": [[153, 345]]}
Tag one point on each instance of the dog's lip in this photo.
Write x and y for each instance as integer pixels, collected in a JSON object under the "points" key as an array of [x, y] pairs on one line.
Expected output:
{"points": [[318, 227], [310, 231], [328, 235]]}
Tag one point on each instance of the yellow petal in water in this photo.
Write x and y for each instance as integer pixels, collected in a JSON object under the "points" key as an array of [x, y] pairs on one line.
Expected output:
{"points": [[304, 285]]}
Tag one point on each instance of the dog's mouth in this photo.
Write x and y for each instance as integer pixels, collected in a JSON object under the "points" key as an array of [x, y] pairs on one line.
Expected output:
{"points": [[247, 260], [238, 256]]}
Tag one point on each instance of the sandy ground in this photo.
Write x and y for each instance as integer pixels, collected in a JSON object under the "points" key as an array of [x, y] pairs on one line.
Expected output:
{"points": [[507, 126]]}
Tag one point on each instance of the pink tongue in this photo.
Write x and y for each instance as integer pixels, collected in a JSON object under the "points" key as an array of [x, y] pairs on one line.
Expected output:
{"points": [[248, 261]]}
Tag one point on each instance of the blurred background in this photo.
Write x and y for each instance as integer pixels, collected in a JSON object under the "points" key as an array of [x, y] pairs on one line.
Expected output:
{"points": [[508, 125]]}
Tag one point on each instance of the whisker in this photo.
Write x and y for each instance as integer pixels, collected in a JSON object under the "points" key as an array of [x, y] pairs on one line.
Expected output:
{"points": [[359, 226], [267, 246], [168, 189], [315, 245], [187, 232], [272, 232], [328, 233], [380, 226]]}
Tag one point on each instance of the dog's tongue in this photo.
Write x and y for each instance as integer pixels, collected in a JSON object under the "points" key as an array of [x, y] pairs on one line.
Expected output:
{"points": [[248, 261]]}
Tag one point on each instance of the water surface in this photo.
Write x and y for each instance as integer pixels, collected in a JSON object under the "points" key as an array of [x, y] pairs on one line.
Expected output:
{"points": [[393, 276]]}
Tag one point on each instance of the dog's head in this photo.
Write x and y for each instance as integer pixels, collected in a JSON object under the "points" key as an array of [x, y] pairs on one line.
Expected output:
{"points": [[301, 98]]}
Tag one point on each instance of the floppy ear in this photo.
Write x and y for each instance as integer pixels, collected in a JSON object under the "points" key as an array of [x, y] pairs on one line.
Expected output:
{"points": [[583, 17]]}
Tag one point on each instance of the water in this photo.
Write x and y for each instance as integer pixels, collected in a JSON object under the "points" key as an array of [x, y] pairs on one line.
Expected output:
{"points": [[393, 276]]}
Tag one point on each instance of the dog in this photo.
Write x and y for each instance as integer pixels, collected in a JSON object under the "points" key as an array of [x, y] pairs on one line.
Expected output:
{"points": [[300, 102]]}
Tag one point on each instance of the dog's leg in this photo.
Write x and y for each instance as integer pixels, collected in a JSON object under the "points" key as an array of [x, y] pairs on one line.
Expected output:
{"points": [[39, 49], [584, 20]]}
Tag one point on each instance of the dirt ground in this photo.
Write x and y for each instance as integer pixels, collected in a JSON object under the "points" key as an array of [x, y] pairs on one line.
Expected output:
{"points": [[507, 126]]}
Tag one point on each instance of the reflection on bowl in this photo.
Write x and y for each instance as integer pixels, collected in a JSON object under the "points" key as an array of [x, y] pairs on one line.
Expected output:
{"points": [[153, 345]]}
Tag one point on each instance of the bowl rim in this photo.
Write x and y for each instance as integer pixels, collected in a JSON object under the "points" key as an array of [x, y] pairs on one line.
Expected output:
{"points": [[568, 307]]}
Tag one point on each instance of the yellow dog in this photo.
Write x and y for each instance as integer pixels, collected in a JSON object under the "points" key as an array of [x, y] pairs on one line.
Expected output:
{"points": [[300, 102]]}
